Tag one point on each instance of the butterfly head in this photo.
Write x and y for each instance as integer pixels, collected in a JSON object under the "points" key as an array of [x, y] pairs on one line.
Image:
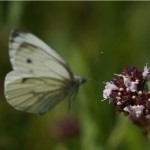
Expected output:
{"points": [[80, 80]]}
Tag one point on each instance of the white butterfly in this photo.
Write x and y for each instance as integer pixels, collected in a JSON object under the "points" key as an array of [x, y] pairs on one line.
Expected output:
{"points": [[41, 78]]}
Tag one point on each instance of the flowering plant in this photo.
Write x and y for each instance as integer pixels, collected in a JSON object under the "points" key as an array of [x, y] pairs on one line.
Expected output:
{"points": [[130, 93]]}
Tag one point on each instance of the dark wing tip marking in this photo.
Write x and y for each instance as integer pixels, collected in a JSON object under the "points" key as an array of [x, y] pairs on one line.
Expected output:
{"points": [[16, 32]]}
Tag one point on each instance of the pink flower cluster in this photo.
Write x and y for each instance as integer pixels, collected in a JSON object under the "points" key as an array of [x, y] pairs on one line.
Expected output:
{"points": [[128, 92]]}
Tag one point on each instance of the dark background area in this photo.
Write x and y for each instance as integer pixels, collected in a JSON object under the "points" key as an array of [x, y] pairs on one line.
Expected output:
{"points": [[78, 31]]}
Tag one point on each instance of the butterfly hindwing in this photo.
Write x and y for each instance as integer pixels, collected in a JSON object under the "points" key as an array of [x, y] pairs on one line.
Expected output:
{"points": [[32, 94]]}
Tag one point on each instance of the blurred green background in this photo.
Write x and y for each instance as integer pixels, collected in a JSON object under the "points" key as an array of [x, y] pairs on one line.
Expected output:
{"points": [[79, 31]]}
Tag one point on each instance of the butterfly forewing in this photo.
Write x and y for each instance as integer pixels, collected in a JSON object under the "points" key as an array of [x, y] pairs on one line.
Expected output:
{"points": [[18, 37], [30, 55], [32, 60]]}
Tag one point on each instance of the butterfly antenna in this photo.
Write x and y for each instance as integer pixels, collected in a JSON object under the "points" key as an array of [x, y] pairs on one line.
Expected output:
{"points": [[94, 63]]}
